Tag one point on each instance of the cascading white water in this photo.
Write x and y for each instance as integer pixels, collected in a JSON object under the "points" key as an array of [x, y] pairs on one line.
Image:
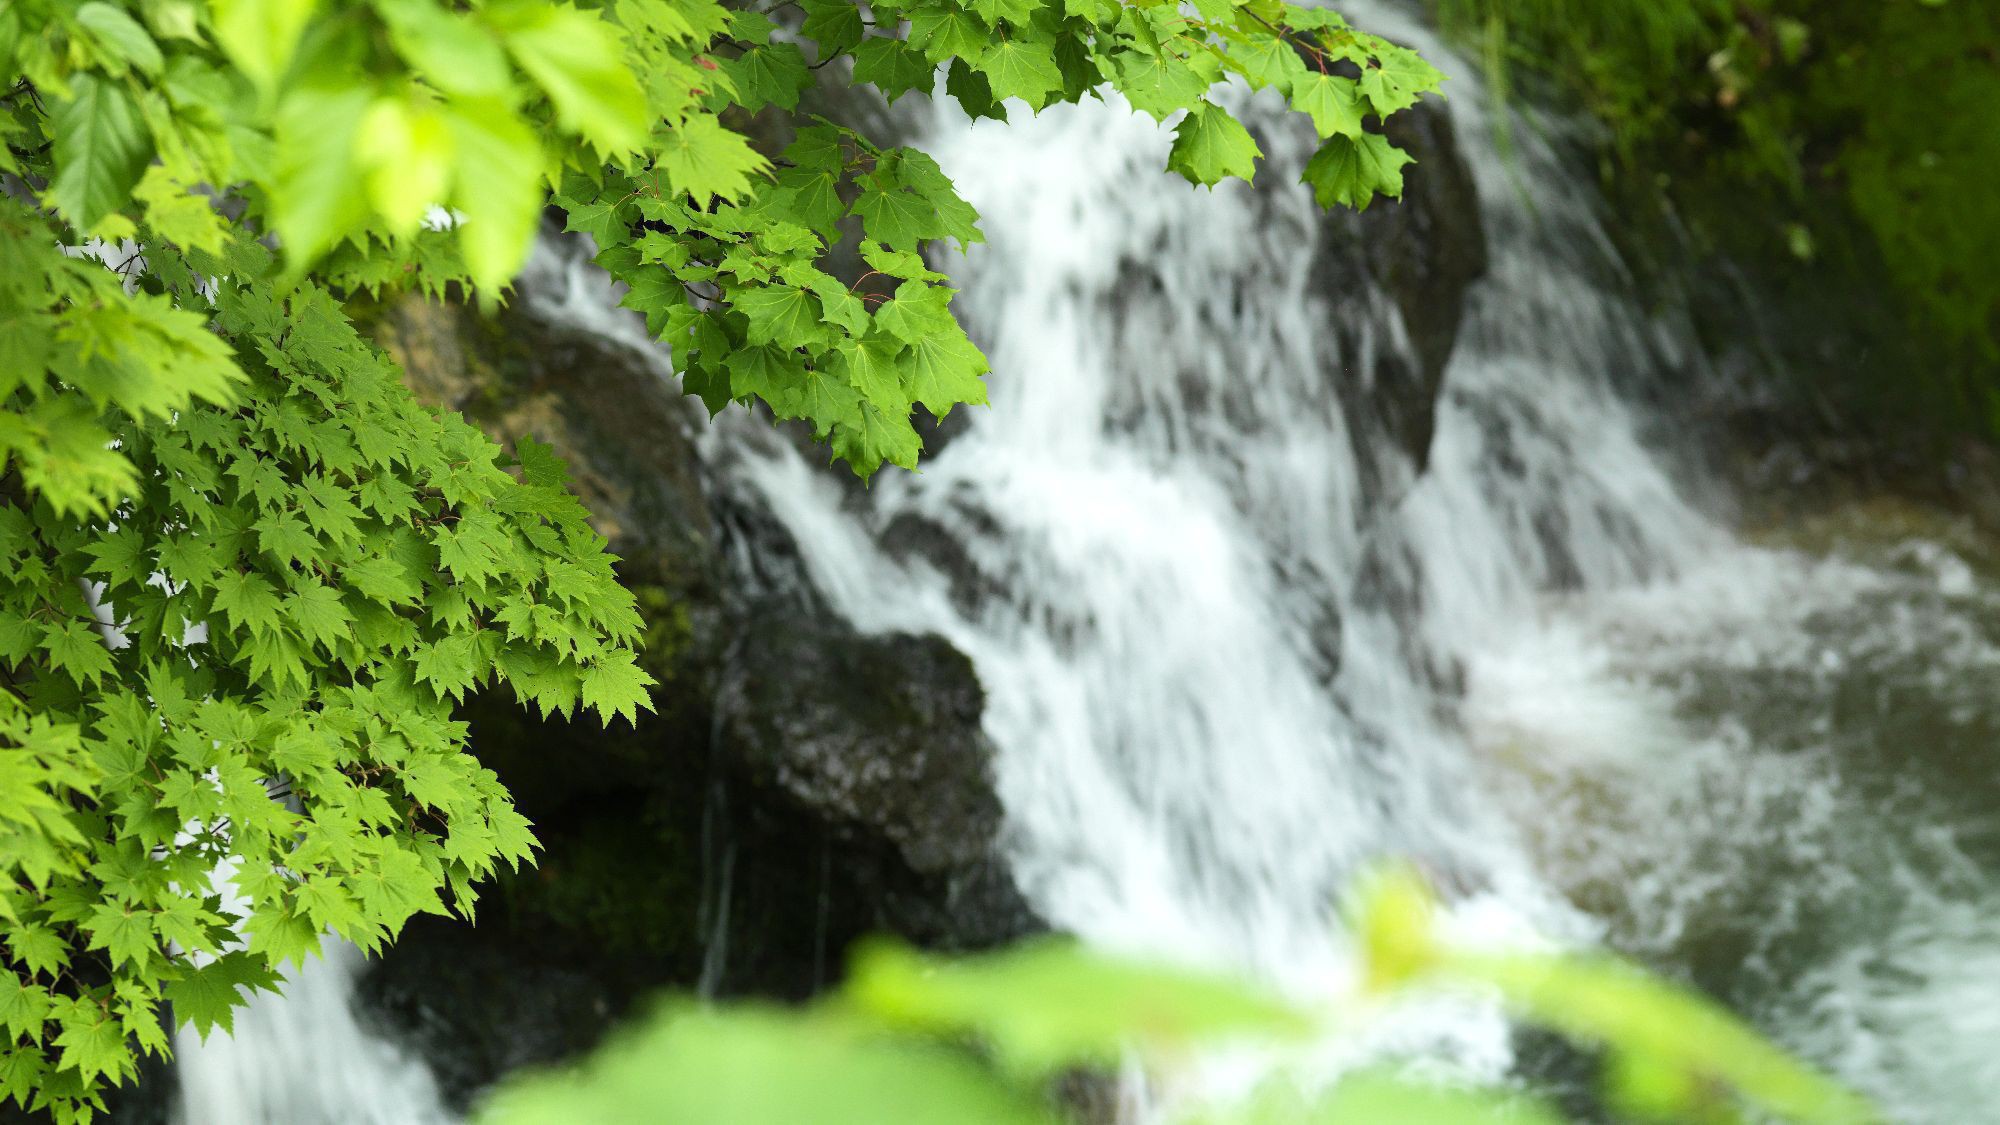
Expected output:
{"points": [[1213, 602], [303, 1058], [1236, 647], [1167, 504]]}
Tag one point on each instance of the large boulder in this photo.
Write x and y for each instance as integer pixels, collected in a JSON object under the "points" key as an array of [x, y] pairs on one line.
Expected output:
{"points": [[801, 785], [872, 745], [1423, 252]]}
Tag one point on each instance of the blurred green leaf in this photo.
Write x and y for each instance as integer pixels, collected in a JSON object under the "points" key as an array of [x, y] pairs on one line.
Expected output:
{"points": [[261, 36], [1053, 1002], [757, 1066], [579, 60]]}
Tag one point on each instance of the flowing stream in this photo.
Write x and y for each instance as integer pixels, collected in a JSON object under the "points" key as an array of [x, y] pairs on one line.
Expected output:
{"points": [[1237, 644]]}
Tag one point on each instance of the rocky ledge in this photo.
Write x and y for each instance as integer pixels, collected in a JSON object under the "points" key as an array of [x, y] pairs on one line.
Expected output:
{"points": [[802, 785]]}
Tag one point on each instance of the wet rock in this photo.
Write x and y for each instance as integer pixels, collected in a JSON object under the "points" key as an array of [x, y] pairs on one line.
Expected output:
{"points": [[877, 740], [620, 422], [801, 786], [1423, 251]]}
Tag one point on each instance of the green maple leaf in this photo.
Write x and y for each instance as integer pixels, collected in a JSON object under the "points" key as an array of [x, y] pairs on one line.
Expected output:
{"points": [[973, 91], [1023, 69], [316, 611], [817, 147], [707, 161], [1269, 60], [839, 306], [304, 750], [617, 686], [19, 636], [1162, 84], [956, 218], [77, 649], [773, 74], [1333, 103], [944, 370], [247, 601], [433, 782], [892, 67], [328, 905], [656, 295], [1080, 71], [834, 24], [898, 263], [93, 1044], [1353, 170], [468, 552], [383, 579], [606, 220], [24, 1007], [207, 997], [513, 836], [947, 32], [39, 948], [540, 464], [780, 314], [121, 557], [1210, 145], [1397, 78], [394, 888], [447, 665], [127, 934], [278, 935], [918, 310], [286, 538], [810, 198], [771, 373], [276, 658], [869, 366], [874, 436], [1313, 19], [1015, 12], [900, 219]]}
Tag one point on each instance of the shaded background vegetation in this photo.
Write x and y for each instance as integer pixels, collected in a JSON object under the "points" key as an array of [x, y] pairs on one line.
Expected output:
{"points": [[1848, 145]]}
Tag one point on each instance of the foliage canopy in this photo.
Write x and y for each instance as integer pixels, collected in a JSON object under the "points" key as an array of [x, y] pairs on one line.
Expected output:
{"points": [[244, 577]]}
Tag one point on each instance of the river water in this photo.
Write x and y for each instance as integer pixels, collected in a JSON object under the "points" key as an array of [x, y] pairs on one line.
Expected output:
{"points": [[1237, 646]]}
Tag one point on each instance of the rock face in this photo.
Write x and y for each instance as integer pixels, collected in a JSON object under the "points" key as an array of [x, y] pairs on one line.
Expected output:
{"points": [[877, 739], [801, 786], [1424, 252]]}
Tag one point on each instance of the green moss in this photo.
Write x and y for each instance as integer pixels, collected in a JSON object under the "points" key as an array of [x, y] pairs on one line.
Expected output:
{"points": [[1856, 136], [668, 632]]}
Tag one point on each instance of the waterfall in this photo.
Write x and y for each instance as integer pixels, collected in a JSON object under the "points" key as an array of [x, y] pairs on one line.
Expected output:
{"points": [[303, 1058], [1241, 638], [1219, 610]]}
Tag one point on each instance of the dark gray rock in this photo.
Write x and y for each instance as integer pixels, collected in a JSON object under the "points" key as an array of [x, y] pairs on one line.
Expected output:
{"points": [[626, 432], [877, 739], [1424, 250], [801, 786]]}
